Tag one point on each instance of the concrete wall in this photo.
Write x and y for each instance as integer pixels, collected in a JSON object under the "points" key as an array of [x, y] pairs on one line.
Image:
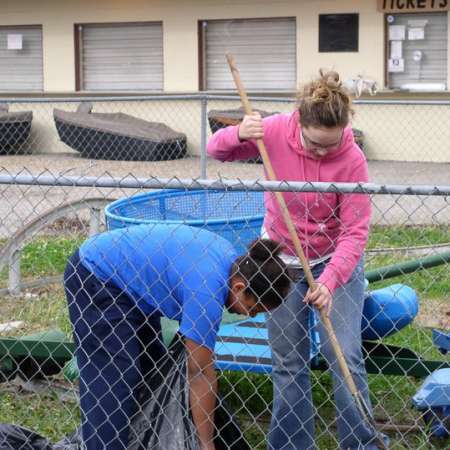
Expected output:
{"points": [[395, 132]]}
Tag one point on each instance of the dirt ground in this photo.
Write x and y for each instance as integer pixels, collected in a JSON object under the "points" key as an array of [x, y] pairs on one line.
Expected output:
{"points": [[434, 313]]}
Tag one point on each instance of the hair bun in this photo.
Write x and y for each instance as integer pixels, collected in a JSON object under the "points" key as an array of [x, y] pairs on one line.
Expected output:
{"points": [[263, 249], [324, 102], [321, 94], [330, 78]]}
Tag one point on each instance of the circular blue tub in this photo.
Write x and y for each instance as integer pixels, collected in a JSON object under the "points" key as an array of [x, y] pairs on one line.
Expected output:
{"points": [[235, 215]]}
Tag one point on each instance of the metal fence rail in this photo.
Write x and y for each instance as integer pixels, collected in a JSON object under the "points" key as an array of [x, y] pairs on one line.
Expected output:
{"points": [[130, 182], [46, 216]]}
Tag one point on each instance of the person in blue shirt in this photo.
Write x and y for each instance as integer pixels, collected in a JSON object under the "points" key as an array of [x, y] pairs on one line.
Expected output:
{"points": [[118, 286]]}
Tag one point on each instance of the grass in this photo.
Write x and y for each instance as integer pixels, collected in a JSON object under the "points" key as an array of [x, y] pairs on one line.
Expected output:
{"points": [[430, 283], [407, 236], [43, 413], [249, 395], [56, 251]]}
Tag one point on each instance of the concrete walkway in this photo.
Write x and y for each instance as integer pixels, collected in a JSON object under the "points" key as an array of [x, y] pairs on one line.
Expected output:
{"points": [[381, 172]]}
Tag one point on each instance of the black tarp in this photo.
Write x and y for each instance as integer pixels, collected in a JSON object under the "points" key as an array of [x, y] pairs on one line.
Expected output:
{"points": [[163, 422]]}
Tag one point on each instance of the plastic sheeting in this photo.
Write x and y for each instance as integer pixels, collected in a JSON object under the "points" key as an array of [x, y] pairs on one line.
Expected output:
{"points": [[163, 423]]}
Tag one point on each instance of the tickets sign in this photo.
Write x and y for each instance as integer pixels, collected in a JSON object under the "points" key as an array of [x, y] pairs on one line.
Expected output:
{"points": [[411, 6]]}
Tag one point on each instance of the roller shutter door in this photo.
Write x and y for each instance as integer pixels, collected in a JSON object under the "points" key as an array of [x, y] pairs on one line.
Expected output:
{"points": [[121, 57], [264, 49], [432, 68], [21, 69]]}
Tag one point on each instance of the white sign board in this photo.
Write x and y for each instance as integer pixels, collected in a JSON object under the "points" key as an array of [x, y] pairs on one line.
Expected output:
{"points": [[396, 65], [417, 23], [397, 32], [396, 49], [15, 42], [415, 34]]}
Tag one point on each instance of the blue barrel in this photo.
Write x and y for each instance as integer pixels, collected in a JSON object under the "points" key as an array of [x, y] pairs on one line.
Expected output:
{"points": [[388, 310], [235, 215]]}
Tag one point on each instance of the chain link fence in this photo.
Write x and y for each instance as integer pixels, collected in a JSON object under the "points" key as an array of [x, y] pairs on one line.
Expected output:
{"points": [[46, 216], [171, 127]]}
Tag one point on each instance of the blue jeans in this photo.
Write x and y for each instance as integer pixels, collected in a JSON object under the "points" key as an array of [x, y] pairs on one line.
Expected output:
{"points": [[292, 425], [117, 346]]}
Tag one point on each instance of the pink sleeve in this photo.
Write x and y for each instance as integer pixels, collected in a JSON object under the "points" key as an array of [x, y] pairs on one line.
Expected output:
{"points": [[225, 145], [354, 215]]}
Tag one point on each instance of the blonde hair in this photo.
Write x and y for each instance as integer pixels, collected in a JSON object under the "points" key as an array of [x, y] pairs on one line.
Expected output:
{"points": [[324, 102]]}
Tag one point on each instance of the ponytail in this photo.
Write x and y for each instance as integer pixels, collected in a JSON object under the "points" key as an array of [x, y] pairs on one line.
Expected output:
{"points": [[264, 272]]}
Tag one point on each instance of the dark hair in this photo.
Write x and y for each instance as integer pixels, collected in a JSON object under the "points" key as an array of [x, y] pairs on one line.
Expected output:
{"points": [[324, 102], [264, 272]]}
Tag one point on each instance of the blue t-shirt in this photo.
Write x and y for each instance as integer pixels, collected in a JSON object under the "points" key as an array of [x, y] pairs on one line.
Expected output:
{"points": [[176, 271]]}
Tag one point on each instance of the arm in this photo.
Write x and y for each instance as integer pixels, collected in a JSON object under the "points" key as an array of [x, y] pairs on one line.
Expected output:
{"points": [[354, 215], [202, 312], [203, 390], [227, 144]]}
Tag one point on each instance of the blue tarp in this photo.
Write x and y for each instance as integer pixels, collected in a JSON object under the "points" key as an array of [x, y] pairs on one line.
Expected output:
{"points": [[243, 346]]}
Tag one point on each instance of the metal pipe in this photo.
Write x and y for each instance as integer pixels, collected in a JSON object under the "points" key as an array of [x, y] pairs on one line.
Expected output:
{"points": [[289, 98], [94, 221], [394, 270], [229, 184], [118, 98], [14, 277], [203, 137]]}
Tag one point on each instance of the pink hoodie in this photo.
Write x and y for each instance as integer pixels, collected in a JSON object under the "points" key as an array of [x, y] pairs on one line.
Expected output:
{"points": [[327, 223]]}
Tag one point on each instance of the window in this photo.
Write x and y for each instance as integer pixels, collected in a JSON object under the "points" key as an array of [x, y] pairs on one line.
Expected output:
{"points": [[119, 57], [264, 49], [21, 58], [338, 32], [417, 51]]}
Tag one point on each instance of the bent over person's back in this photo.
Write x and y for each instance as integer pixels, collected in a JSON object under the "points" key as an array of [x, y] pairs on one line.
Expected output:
{"points": [[178, 272]]}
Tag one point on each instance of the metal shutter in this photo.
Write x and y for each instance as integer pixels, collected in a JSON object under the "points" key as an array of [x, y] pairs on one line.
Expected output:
{"points": [[119, 57], [21, 70], [433, 67], [264, 49]]}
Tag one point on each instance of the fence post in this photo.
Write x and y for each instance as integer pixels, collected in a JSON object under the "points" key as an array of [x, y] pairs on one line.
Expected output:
{"points": [[14, 273], [203, 136], [94, 221]]}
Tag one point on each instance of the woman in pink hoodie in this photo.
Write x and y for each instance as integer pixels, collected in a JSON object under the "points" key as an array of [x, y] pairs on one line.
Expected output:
{"points": [[314, 143]]}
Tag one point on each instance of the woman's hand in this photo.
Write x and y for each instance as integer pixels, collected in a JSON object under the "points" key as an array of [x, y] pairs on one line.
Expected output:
{"points": [[207, 447], [320, 298], [251, 127], [202, 391]]}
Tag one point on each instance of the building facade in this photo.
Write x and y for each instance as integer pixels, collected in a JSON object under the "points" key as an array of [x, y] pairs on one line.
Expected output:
{"points": [[178, 46]]}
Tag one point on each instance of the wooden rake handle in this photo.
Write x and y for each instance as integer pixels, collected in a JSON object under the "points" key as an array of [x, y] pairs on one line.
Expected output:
{"points": [[293, 233]]}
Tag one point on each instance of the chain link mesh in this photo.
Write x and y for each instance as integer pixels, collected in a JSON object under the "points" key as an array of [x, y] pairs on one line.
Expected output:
{"points": [[53, 198], [171, 127]]}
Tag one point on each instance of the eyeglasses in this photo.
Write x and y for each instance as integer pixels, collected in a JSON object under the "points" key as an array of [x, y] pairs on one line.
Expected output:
{"points": [[311, 145]]}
